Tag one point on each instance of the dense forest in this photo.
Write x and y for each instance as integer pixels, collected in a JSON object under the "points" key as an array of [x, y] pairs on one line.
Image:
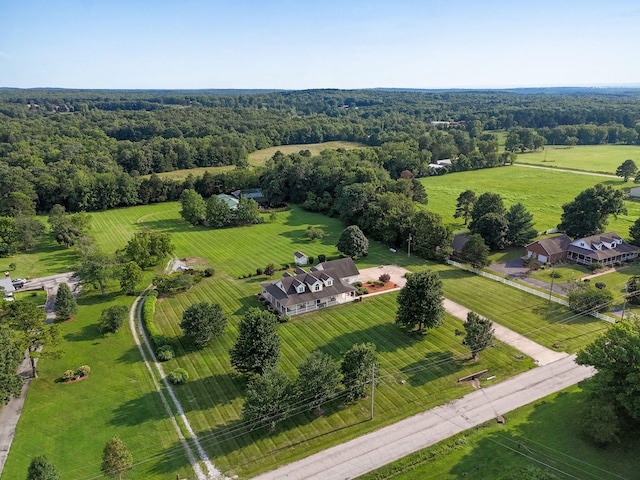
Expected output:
{"points": [[89, 149]]}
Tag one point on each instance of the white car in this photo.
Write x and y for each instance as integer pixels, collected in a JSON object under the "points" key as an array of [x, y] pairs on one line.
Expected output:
{"points": [[18, 282]]}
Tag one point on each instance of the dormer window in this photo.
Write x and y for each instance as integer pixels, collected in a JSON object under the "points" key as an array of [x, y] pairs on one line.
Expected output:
{"points": [[300, 288], [316, 287], [329, 282]]}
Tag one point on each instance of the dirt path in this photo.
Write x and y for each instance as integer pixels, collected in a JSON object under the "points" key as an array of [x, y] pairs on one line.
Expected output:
{"points": [[578, 172], [135, 320]]}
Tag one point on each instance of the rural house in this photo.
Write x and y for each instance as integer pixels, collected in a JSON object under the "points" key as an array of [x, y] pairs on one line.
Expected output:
{"points": [[549, 249], [607, 248], [325, 285]]}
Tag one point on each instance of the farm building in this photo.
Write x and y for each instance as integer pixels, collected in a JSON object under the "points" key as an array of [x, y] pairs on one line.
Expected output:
{"points": [[325, 285], [231, 202]]}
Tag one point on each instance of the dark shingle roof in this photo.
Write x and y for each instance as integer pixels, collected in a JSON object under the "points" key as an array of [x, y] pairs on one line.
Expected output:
{"points": [[554, 245]]}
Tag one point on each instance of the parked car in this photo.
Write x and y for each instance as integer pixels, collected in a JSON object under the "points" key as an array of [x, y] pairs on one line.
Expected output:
{"points": [[18, 282]]}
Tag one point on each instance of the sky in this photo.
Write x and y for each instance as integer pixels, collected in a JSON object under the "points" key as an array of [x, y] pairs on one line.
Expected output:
{"points": [[304, 44]]}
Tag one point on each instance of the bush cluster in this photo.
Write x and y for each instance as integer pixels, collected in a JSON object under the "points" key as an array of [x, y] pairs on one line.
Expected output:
{"points": [[178, 377], [81, 371], [384, 278]]}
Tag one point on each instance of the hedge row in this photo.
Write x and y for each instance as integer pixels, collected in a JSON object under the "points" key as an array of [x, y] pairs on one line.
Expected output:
{"points": [[148, 309]]}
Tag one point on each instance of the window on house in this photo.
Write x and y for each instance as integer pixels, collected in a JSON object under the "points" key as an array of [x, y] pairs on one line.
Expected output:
{"points": [[329, 282], [301, 289], [316, 287]]}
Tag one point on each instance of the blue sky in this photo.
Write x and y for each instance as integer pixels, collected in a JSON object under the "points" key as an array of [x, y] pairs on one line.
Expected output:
{"points": [[318, 44]]}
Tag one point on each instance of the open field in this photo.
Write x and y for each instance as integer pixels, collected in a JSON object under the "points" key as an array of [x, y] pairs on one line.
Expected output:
{"points": [[543, 433], [118, 397], [260, 157], [70, 423], [48, 258], [542, 192], [429, 367], [544, 323], [588, 158]]}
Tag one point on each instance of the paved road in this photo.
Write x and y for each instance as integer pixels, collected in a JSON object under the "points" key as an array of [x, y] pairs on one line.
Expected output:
{"points": [[606, 175], [50, 284], [383, 446]]}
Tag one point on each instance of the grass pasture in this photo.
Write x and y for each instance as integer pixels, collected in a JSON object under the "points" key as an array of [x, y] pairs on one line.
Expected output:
{"points": [[543, 192], [543, 433], [428, 366], [70, 423], [260, 157], [588, 158]]}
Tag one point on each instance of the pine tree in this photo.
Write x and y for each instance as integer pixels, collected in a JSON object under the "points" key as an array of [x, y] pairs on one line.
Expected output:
{"points": [[479, 333], [41, 468], [65, 305]]}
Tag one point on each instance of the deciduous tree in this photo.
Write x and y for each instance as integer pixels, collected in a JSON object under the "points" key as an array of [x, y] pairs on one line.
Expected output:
{"points": [[420, 302], [634, 231], [258, 345], [352, 241], [218, 213], [268, 398], [202, 322], [148, 248], [129, 274], [116, 459], [96, 268], [431, 237], [493, 228], [587, 214], [194, 209], [587, 298], [486, 203], [627, 169], [318, 379], [247, 212], [475, 251], [479, 333], [112, 318], [356, 369], [11, 355]]}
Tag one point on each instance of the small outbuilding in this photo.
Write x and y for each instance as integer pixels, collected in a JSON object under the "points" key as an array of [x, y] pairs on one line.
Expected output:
{"points": [[300, 258], [7, 287], [634, 192]]}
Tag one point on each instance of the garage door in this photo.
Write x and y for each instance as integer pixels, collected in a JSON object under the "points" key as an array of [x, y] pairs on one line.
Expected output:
{"points": [[542, 258]]}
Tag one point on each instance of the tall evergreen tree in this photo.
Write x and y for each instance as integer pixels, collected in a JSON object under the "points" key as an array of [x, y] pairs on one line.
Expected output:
{"points": [[65, 304], [479, 333], [11, 355], [520, 229], [464, 205], [41, 468]]}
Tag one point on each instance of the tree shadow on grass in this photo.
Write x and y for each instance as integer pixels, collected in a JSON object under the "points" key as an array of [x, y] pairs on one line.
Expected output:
{"points": [[247, 303], [235, 435], [86, 333], [433, 366], [387, 337], [131, 356], [171, 225]]}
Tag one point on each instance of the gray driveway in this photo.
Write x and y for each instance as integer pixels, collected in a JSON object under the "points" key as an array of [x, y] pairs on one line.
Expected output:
{"points": [[514, 269]]}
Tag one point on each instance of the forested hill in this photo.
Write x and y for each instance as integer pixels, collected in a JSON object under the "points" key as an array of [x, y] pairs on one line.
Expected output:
{"points": [[86, 149]]}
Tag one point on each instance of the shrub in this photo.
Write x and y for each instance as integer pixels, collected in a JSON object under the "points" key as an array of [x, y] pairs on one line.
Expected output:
{"points": [[586, 280], [83, 371], [601, 285], [555, 274], [178, 377], [310, 260], [384, 278], [270, 269], [362, 291], [259, 271], [379, 283], [284, 318], [165, 353], [322, 257], [209, 272], [68, 375], [148, 309], [357, 284]]}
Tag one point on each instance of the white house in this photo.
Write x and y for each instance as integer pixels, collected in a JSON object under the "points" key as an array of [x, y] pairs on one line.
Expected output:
{"points": [[325, 285], [7, 286]]}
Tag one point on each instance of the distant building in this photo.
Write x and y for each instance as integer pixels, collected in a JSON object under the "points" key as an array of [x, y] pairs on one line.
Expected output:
{"points": [[300, 258], [7, 287], [634, 192], [231, 202]]}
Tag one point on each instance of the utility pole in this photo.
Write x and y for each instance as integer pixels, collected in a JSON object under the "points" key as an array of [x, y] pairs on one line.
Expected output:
{"points": [[624, 305], [373, 385], [409, 248], [553, 276]]}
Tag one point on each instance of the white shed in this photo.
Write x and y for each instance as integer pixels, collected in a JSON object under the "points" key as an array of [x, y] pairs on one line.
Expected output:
{"points": [[300, 258]]}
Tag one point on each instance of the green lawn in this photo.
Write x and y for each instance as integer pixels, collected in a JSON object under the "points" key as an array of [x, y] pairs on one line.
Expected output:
{"points": [[545, 323], [37, 297], [415, 374], [567, 272], [543, 433], [70, 423], [616, 282], [48, 258], [589, 158], [542, 192]]}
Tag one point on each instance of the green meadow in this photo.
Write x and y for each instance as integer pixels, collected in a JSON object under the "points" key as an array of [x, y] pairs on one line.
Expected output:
{"points": [[543, 435], [543, 192], [588, 158], [260, 157]]}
